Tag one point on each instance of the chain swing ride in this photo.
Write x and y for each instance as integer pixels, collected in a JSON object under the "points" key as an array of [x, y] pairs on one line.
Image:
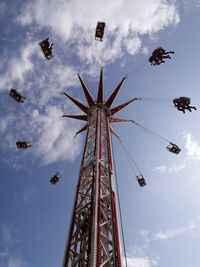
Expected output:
{"points": [[94, 237]]}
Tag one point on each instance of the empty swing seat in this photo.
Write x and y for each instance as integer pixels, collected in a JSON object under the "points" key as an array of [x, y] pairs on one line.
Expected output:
{"points": [[100, 31], [55, 179], [141, 180]]}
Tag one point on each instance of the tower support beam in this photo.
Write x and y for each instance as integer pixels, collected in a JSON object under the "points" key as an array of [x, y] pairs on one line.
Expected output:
{"points": [[93, 238]]}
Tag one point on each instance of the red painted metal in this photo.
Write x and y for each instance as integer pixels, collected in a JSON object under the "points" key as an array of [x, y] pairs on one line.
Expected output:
{"points": [[113, 95], [116, 228], [118, 254], [94, 239], [78, 117], [84, 128], [86, 92], [120, 120], [70, 232], [109, 145], [77, 103], [99, 196], [113, 132], [100, 90], [118, 108]]}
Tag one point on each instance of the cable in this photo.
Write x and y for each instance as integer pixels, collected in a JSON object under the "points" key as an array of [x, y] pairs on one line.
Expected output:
{"points": [[137, 69], [155, 99], [99, 53], [155, 135], [120, 214], [161, 104], [60, 164], [129, 157], [158, 101]]}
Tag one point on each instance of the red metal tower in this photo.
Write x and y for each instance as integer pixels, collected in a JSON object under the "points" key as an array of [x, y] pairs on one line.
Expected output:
{"points": [[94, 233]]}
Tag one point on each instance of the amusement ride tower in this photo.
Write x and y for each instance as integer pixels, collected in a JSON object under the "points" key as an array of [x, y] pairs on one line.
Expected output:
{"points": [[94, 237]]}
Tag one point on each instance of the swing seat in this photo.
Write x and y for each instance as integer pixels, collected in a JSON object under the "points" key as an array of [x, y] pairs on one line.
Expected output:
{"points": [[173, 148], [141, 180], [46, 48], [55, 179], [23, 144], [16, 95], [100, 31]]}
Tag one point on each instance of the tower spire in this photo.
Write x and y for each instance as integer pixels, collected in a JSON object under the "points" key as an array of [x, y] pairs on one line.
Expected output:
{"points": [[77, 103], [120, 107], [115, 92], [100, 91], [86, 92], [78, 117]]}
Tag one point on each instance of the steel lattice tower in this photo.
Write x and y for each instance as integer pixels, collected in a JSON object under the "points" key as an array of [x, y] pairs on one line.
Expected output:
{"points": [[94, 233]]}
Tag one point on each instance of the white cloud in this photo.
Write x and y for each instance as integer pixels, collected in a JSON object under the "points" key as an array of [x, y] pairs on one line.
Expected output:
{"points": [[52, 138], [2, 8], [18, 67], [161, 168], [141, 262], [29, 193], [8, 255], [5, 122], [121, 15], [192, 147], [16, 261], [37, 119], [175, 168], [55, 139], [163, 235], [41, 81], [189, 4], [6, 235], [133, 45], [125, 22]]}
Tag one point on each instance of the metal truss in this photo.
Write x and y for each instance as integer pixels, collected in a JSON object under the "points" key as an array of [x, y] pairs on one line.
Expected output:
{"points": [[93, 238]]}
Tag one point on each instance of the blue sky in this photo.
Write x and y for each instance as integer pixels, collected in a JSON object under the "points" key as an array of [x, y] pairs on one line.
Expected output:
{"points": [[162, 220]]}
